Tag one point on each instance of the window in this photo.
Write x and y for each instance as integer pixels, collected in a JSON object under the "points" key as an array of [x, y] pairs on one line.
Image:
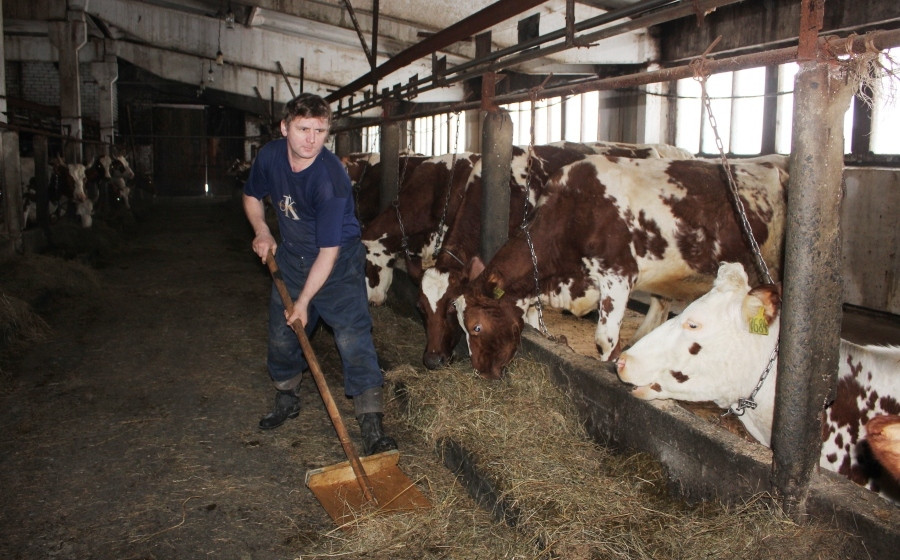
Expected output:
{"points": [[737, 100], [371, 139], [547, 121], [886, 114]]}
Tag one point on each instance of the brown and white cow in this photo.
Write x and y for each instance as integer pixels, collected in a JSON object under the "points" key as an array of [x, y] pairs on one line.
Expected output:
{"points": [[710, 352], [412, 222], [364, 169], [65, 194], [441, 284], [613, 225]]}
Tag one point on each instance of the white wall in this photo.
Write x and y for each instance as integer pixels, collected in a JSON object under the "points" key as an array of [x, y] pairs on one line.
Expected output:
{"points": [[871, 263]]}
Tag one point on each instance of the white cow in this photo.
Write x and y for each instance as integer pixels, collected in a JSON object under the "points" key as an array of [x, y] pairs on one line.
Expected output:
{"points": [[718, 347]]}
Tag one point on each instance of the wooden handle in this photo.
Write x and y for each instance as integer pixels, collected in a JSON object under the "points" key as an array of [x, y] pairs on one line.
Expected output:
{"points": [[361, 477]]}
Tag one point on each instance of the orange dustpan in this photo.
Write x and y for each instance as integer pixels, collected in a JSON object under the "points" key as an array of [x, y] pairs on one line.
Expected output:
{"points": [[374, 483]]}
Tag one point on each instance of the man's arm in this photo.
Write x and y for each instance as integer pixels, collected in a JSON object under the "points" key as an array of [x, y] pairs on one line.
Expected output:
{"points": [[255, 210]]}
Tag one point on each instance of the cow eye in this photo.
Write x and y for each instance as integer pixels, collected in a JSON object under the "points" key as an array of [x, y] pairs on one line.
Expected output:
{"points": [[476, 328], [690, 325]]}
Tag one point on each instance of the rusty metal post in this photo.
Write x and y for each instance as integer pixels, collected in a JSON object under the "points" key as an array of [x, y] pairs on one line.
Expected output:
{"points": [[496, 162], [811, 315], [390, 162]]}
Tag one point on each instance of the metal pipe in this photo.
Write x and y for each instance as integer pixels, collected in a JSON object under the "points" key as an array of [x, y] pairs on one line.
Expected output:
{"points": [[493, 14], [496, 158], [879, 40]]}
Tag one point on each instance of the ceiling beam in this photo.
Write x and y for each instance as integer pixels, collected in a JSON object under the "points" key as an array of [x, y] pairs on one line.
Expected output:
{"points": [[489, 16]]}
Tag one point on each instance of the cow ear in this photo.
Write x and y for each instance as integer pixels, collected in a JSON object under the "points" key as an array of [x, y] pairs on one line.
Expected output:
{"points": [[474, 268], [762, 302]]}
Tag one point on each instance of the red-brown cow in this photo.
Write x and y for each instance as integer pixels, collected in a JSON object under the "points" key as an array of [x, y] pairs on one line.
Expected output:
{"points": [[612, 225], [364, 169], [412, 222], [883, 435], [440, 285]]}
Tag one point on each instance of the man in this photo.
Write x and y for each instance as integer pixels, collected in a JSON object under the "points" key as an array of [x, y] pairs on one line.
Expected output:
{"points": [[322, 261]]}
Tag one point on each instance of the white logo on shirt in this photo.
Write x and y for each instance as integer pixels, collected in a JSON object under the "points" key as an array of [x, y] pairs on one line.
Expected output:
{"points": [[287, 206]]}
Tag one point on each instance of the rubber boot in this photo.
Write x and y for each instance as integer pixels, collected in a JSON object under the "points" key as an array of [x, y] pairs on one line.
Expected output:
{"points": [[374, 440], [287, 405]]}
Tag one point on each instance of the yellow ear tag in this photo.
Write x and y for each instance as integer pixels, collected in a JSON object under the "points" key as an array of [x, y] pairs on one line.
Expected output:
{"points": [[498, 292], [758, 324]]}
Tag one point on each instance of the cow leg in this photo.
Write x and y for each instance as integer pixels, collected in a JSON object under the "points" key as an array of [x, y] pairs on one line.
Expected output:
{"points": [[614, 294], [656, 316]]}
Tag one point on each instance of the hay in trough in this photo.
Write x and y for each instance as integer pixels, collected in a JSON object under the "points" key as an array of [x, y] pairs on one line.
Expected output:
{"points": [[567, 496]]}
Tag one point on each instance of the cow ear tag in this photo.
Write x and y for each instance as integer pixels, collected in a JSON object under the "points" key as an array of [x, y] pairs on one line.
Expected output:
{"points": [[758, 323], [498, 292]]}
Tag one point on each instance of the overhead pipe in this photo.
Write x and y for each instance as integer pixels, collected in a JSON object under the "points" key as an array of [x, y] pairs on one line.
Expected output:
{"points": [[666, 10], [879, 40], [489, 16]]}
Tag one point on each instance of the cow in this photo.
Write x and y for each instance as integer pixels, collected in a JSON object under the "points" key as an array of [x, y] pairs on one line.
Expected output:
{"points": [[364, 169], [609, 226], [883, 435], [718, 348], [432, 191], [441, 284], [65, 194], [107, 182]]}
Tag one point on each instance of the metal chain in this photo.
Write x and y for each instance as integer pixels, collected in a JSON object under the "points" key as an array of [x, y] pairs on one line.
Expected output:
{"points": [[700, 74], [743, 404], [440, 230], [524, 226], [761, 269], [404, 240]]}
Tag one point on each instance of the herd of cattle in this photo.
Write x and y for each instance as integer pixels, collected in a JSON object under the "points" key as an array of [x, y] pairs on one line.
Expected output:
{"points": [[588, 225], [77, 191]]}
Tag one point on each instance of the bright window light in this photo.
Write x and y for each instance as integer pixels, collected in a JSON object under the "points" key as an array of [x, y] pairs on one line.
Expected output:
{"points": [[886, 118]]}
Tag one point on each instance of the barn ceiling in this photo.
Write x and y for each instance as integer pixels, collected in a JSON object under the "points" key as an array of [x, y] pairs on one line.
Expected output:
{"points": [[424, 50], [268, 46]]}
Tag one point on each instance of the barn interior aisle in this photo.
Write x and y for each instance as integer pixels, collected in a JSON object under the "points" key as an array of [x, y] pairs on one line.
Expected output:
{"points": [[130, 430]]}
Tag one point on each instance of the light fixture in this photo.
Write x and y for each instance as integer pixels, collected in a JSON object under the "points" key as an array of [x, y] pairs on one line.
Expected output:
{"points": [[211, 78], [229, 18]]}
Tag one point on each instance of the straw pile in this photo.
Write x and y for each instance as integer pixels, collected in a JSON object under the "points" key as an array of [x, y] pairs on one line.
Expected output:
{"points": [[29, 288], [566, 496]]}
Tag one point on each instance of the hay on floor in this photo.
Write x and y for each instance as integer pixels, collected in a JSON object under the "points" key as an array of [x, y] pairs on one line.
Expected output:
{"points": [[571, 497]]}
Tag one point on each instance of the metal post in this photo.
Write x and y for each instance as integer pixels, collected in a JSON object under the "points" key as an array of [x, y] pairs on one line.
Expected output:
{"points": [[41, 180], [811, 315], [496, 158], [390, 163], [12, 179]]}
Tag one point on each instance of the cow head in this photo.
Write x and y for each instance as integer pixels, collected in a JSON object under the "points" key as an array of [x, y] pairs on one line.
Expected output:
{"points": [[883, 434], [120, 169], [438, 291], [491, 319], [78, 174], [715, 350]]}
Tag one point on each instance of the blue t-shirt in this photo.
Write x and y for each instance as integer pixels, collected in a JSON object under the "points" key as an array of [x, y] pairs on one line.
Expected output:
{"points": [[314, 207]]}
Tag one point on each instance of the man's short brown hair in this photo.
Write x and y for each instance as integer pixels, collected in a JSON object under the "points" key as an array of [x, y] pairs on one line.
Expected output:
{"points": [[306, 105]]}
